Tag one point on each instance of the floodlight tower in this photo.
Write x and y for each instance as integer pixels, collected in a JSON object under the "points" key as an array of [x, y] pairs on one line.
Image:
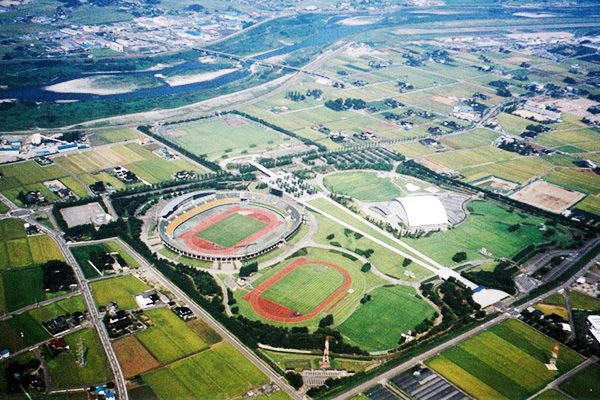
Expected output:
{"points": [[552, 364], [325, 362]]}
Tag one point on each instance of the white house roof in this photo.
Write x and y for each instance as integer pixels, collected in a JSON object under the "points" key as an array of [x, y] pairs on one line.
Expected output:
{"points": [[420, 210]]}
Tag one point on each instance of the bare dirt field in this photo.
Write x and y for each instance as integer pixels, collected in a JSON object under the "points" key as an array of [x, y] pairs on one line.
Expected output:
{"points": [[133, 356], [548, 196], [495, 183], [81, 215], [235, 122]]}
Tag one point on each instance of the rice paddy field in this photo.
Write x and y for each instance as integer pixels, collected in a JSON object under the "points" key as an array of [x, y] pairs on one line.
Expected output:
{"points": [[20, 257], [29, 176], [486, 227], [95, 164], [504, 362], [121, 289], [113, 136], [224, 137], [220, 372], [289, 292], [63, 369], [584, 384], [169, 338], [378, 324]]}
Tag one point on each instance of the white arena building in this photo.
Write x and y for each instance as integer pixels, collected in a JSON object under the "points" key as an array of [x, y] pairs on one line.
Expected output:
{"points": [[420, 213]]}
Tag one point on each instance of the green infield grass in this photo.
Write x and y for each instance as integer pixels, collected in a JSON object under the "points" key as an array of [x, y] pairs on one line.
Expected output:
{"points": [[365, 186], [64, 369], [220, 372], [585, 384], [305, 287], [506, 361], [361, 282], [378, 323], [231, 230], [169, 338], [121, 290]]}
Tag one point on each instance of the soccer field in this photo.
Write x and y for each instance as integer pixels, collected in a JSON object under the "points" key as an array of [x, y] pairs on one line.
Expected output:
{"points": [[505, 362], [392, 310], [231, 230], [305, 287]]}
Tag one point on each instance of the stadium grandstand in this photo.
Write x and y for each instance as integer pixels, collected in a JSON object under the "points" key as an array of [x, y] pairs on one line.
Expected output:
{"points": [[228, 225]]}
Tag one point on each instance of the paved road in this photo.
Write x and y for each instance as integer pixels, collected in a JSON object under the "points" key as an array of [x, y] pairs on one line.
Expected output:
{"points": [[450, 343], [563, 267], [93, 314]]}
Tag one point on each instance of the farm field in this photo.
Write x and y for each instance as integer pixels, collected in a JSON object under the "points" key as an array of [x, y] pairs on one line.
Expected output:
{"points": [[61, 307], [63, 369], [133, 357], [121, 289], [17, 250], [572, 178], [220, 372], [551, 394], [21, 287], [228, 136], [82, 256], [113, 136], [397, 308], [231, 230], [364, 186], [584, 384], [590, 204], [506, 361], [206, 333], [92, 165], [29, 176], [486, 227], [20, 332], [169, 338], [360, 282]]}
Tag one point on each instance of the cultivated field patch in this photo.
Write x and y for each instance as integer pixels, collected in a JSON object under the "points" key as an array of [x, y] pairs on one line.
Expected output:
{"points": [[121, 290], [133, 357]]}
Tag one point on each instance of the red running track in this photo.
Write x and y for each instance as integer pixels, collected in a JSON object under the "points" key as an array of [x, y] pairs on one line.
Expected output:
{"points": [[200, 245], [279, 313]]}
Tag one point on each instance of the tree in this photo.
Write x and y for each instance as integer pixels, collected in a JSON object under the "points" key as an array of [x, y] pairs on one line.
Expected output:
{"points": [[459, 257], [326, 321], [406, 262], [366, 267], [295, 379]]}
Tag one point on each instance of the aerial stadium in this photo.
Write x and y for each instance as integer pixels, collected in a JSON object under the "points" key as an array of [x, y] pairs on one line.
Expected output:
{"points": [[227, 226]]}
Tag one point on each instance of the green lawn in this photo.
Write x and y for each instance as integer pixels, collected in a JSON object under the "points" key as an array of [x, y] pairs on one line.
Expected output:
{"points": [[377, 324], [220, 372], [121, 290], [231, 230], [583, 302], [169, 338], [64, 370], [305, 287], [487, 226], [506, 361], [82, 256], [215, 137], [585, 384], [365, 186]]}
